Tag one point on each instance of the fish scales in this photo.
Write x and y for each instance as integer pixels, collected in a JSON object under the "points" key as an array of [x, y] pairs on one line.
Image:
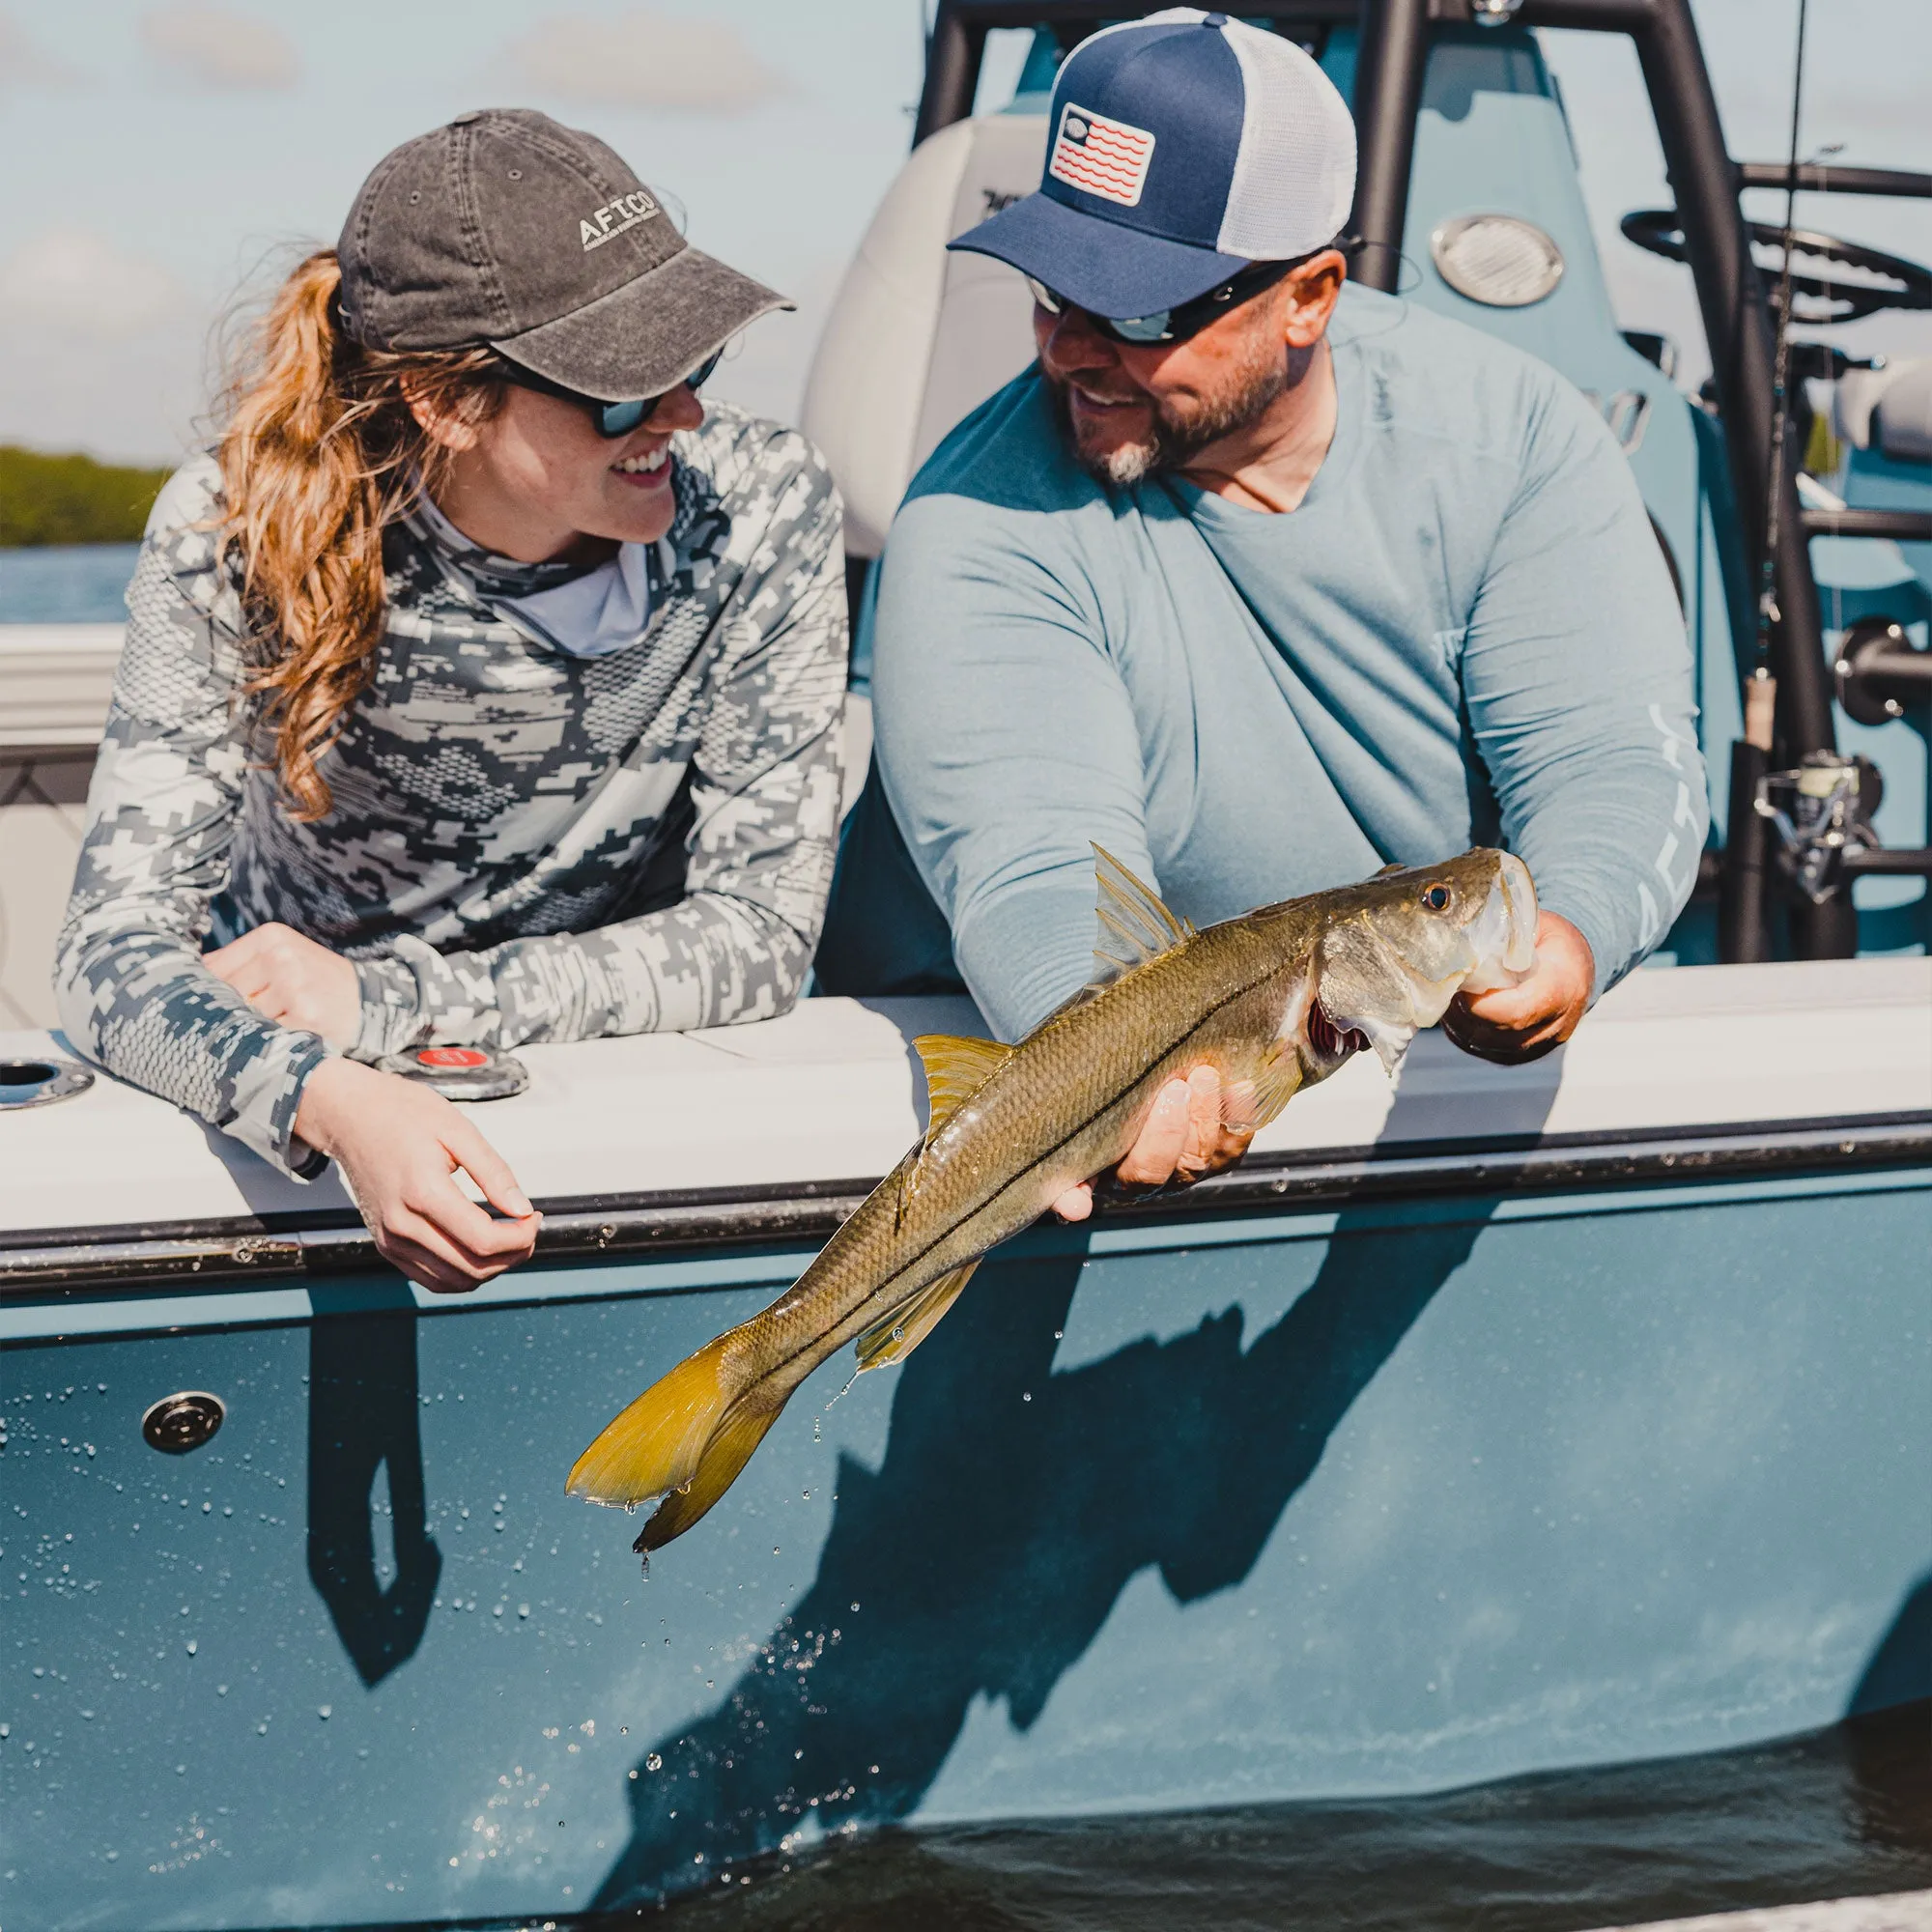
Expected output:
{"points": [[1090, 1078], [1273, 999]]}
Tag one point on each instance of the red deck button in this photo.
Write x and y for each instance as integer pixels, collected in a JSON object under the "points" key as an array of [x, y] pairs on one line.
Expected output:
{"points": [[452, 1056]]}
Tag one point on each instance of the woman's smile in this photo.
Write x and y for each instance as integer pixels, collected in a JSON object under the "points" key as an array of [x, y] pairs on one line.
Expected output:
{"points": [[644, 469]]}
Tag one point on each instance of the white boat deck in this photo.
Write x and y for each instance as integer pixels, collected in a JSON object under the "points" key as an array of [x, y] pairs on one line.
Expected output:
{"points": [[832, 1093]]}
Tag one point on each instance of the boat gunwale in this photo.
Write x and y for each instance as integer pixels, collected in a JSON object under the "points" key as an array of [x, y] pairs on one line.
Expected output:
{"points": [[242, 1250]]}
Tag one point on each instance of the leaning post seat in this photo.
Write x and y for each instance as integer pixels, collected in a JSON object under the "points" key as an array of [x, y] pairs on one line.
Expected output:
{"points": [[917, 337]]}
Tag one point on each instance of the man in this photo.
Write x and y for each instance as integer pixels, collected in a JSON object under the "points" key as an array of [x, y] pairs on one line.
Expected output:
{"points": [[1263, 583]]}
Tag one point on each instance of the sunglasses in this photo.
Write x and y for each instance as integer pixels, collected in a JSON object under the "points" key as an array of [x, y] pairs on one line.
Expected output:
{"points": [[611, 420], [1175, 325]]}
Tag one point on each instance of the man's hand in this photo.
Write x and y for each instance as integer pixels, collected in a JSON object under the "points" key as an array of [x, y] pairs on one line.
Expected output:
{"points": [[399, 1146], [293, 980], [1185, 1138], [1512, 1024]]}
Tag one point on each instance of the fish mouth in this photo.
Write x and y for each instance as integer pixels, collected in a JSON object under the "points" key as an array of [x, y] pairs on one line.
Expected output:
{"points": [[1330, 1043], [1395, 969]]}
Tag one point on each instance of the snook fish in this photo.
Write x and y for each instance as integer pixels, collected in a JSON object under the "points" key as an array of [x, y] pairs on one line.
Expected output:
{"points": [[1275, 1000]]}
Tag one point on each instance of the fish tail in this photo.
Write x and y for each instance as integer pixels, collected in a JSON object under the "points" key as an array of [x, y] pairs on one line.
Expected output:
{"points": [[724, 1456], [683, 1440]]}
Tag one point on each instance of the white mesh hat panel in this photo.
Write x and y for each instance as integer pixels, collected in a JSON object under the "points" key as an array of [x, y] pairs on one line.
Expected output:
{"points": [[1294, 172]]}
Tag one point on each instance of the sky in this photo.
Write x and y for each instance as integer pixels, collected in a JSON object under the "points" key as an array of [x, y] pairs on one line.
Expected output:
{"points": [[165, 158]]}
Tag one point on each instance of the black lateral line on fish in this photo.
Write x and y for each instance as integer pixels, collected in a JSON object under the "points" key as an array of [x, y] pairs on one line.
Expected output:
{"points": [[913, 1261]]}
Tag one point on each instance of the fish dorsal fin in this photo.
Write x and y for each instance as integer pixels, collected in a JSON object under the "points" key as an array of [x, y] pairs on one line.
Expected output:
{"points": [[1382, 872], [1135, 926], [896, 1334], [956, 1067]]}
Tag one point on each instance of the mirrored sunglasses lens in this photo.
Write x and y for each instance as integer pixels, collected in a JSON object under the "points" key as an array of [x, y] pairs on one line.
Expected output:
{"points": [[702, 374], [1143, 327], [614, 419]]}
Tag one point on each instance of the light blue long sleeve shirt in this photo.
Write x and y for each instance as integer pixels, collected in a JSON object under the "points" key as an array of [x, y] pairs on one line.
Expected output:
{"points": [[1466, 633]]}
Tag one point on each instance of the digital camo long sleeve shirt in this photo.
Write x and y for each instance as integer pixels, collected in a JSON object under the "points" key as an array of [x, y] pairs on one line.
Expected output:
{"points": [[524, 844]]}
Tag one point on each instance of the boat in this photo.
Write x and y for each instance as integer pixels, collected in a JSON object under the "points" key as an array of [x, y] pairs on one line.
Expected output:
{"points": [[1481, 1423]]}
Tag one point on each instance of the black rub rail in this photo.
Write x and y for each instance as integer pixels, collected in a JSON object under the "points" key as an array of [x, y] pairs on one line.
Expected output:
{"points": [[241, 1252]]}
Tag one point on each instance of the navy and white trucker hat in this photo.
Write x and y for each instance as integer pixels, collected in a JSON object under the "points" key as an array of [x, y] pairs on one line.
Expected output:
{"points": [[1179, 149]]}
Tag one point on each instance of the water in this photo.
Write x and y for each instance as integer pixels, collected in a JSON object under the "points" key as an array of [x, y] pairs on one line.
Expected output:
{"points": [[72, 583], [1840, 1812]]}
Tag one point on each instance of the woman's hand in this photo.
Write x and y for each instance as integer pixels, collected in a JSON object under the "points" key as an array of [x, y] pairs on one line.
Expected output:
{"points": [[1185, 1137], [293, 981], [399, 1144], [1512, 1024]]}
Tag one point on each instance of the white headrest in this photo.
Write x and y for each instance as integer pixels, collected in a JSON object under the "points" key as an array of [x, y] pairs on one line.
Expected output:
{"points": [[1889, 407], [918, 339], [1903, 413]]}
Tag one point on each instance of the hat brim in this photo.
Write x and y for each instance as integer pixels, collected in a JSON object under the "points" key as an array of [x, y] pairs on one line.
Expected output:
{"points": [[1104, 266], [648, 335]]}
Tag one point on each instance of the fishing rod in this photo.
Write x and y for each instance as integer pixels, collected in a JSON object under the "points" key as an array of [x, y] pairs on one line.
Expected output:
{"points": [[1768, 612], [1742, 909]]}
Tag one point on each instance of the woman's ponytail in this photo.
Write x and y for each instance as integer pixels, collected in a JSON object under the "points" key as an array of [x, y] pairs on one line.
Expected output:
{"points": [[320, 453]]}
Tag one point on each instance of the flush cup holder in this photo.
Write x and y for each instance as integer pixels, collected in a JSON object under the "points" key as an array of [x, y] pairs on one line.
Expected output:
{"points": [[461, 1072], [41, 1082]]}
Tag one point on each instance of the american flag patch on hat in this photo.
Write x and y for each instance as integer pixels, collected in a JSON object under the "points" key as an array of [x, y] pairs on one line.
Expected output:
{"points": [[1100, 157]]}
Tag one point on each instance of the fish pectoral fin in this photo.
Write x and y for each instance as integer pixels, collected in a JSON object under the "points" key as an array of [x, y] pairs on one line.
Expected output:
{"points": [[893, 1336], [956, 1067], [1276, 1083], [1133, 922], [724, 1456]]}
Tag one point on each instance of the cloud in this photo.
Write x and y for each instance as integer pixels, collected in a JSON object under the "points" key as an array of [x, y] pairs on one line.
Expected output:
{"points": [[74, 284], [23, 62], [639, 59], [217, 47]]}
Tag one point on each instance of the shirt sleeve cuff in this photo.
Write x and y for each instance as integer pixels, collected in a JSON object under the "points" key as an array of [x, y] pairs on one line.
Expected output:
{"points": [[415, 996], [267, 1100], [392, 1007]]}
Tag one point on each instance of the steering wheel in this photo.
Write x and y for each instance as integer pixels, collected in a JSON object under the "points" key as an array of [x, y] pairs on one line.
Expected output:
{"points": [[1881, 281]]}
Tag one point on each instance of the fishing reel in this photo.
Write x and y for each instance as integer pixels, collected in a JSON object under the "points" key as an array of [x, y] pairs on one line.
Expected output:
{"points": [[1821, 812]]}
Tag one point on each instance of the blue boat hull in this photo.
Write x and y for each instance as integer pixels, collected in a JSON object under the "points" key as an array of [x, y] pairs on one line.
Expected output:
{"points": [[1303, 1504]]}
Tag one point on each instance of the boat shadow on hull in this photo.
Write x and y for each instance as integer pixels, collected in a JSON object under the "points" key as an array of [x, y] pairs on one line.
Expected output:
{"points": [[1012, 1507]]}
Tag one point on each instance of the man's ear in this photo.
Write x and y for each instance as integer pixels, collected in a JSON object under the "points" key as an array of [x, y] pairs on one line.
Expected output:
{"points": [[1313, 290], [440, 424]]}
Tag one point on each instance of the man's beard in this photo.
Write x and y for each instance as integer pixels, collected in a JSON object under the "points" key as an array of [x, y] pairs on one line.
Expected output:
{"points": [[1181, 434]]}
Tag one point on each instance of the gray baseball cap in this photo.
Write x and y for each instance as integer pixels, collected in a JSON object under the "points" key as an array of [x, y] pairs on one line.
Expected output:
{"points": [[507, 228]]}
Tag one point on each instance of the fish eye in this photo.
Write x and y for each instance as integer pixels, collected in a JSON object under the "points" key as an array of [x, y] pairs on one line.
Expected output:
{"points": [[1436, 897]]}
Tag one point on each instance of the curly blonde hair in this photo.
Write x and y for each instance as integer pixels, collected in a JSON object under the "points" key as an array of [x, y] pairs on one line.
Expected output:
{"points": [[320, 452]]}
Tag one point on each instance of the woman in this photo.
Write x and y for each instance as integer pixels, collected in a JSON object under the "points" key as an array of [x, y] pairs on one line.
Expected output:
{"points": [[479, 686]]}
